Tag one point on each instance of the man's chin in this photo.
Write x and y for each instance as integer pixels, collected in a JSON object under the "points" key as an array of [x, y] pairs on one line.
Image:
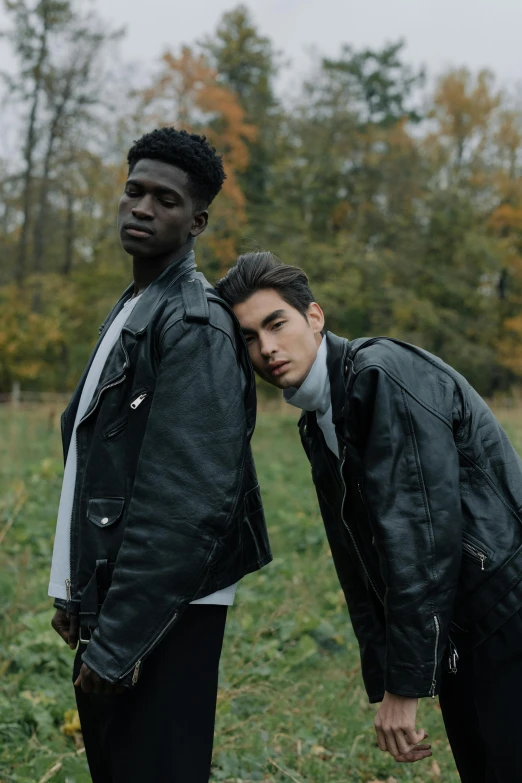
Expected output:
{"points": [[137, 248], [284, 381]]}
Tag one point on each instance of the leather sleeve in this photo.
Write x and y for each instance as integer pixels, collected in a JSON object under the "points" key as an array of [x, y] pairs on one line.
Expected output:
{"points": [[367, 628], [187, 484], [411, 490]]}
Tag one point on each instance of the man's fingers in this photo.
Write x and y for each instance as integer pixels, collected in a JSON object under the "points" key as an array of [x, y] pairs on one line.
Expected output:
{"points": [[381, 740], [87, 684], [391, 744], [60, 624], [417, 754], [402, 742], [414, 737], [74, 628], [90, 682]]}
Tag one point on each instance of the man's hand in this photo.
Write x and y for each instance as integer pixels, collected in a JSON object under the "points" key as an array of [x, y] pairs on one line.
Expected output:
{"points": [[66, 626], [90, 682], [396, 732]]}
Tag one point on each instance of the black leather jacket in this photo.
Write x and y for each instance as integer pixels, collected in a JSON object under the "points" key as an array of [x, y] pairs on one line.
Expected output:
{"points": [[423, 513], [167, 506]]}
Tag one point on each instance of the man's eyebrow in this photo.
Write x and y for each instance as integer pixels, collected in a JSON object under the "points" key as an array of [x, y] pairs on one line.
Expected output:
{"points": [[266, 320], [272, 316], [157, 188]]}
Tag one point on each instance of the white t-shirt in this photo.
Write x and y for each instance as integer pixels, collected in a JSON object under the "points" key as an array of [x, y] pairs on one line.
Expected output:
{"points": [[60, 568]]}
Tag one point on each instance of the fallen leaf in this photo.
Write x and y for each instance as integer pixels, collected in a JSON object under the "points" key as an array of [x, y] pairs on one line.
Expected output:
{"points": [[318, 750], [435, 770], [71, 724]]}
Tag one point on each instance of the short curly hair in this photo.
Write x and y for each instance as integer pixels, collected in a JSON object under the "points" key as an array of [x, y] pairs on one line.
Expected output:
{"points": [[190, 153]]}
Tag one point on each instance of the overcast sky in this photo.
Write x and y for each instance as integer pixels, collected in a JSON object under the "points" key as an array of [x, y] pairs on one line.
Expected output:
{"points": [[438, 33]]}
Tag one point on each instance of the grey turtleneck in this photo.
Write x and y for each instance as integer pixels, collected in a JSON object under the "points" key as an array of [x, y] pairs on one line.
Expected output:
{"points": [[314, 395]]}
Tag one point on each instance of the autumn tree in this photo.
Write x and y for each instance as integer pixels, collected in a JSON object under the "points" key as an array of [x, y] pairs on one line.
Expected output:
{"points": [[33, 27], [246, 63], [187, 93]]}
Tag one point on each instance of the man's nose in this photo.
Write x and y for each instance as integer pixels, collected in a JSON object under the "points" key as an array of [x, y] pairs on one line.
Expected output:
{"points": [[267, 346], [144, 209]]}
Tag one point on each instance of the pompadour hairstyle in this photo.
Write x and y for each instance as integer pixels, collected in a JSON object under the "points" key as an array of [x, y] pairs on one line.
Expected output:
{"points": [[190, 153], [254, 272]]}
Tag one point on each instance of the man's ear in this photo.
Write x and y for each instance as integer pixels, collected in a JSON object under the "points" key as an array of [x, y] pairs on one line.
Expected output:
{"points": [[315, 317], [199, 223]]}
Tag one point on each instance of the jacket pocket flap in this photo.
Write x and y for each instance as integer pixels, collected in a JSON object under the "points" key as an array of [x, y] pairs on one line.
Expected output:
{"points": [[105, 512]]}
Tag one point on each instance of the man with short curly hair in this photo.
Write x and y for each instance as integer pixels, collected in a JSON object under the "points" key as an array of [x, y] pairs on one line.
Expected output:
{"points": [[160, 514]]}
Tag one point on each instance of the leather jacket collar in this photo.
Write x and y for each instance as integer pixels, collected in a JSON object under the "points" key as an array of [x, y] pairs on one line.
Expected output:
{"points": [[336, 362], [153, 294]]}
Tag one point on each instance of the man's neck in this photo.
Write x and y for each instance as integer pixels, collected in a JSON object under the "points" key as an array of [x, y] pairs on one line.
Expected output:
{"points": [[145, 271], [313, 393]]}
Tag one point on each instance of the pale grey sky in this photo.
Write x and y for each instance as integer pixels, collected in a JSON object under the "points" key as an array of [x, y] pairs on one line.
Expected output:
{"points": [[438, 33]]}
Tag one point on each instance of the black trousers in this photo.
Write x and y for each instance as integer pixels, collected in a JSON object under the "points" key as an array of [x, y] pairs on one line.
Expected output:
{"points": [[481, 708], [161, 730]]}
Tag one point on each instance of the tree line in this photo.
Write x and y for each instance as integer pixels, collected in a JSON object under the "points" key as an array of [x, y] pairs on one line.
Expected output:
{"points": [[401, 196]]}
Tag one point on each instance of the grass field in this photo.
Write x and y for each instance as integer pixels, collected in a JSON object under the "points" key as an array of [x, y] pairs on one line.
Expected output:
{"points": [[291, 702]]}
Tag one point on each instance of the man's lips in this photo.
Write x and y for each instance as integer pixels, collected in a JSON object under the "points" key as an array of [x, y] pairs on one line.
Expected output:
{"points": [[278, 368], [135, 230]]}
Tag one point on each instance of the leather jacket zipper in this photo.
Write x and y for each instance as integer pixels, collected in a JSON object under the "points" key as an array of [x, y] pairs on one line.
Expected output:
{"points": [[135, 668], [436, 661], [476, 554], [137, 402], [122, 423], [103, 389], [453, 657], [68, 594], [351, 534], [136, 672]]}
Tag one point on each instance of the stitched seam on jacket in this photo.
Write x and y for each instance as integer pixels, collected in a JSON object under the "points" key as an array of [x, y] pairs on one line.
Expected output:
{"points": [[169, 326], [420, 480], [410, 347], [399, 383], [491, 484]]}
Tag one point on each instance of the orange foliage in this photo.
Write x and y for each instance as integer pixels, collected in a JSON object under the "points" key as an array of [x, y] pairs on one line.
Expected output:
{"points": [[187, 94], [507, 217], [462, 106]]}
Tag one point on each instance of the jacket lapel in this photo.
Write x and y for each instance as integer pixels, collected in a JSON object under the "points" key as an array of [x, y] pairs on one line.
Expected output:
{"points": [[136, 325]]}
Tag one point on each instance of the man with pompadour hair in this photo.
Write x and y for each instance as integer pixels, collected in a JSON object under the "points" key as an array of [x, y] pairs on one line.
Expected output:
{"points": [[420, 491], [160, 514]]}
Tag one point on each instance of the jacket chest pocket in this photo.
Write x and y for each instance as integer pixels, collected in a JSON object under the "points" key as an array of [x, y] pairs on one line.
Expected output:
{"points": [[475, 552], [138, 399]]}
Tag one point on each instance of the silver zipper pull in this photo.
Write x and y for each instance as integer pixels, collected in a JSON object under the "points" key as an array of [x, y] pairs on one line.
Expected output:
{"points": [[136, 672], [433, 688], [68, 593], [137, 402], [453, 658], [482, 558]]}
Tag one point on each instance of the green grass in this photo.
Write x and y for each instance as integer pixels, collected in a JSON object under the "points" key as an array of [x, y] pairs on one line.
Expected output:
{"points": [[291, 704]]}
